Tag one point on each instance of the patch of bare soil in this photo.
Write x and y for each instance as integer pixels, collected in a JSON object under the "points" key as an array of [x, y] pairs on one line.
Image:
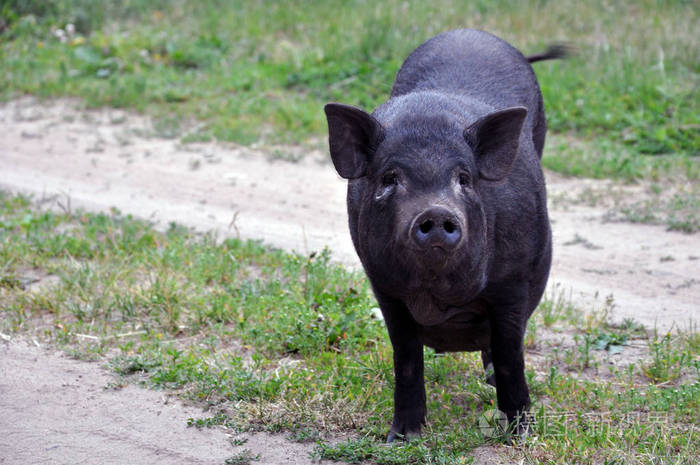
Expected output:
{"points": [[61, 411], [95, 160], [636, 271]]}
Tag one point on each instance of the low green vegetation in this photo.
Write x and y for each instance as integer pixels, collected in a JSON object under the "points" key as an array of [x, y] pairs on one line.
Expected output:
{"points": [[266, 340], [625, 105]]}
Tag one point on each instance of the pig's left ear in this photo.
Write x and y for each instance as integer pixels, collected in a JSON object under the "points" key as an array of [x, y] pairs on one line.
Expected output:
{"points": [[353, 136], [494, 139]]}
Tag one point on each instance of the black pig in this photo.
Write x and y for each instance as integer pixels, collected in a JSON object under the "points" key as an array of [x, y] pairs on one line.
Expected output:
{"points": [[447, 209]]}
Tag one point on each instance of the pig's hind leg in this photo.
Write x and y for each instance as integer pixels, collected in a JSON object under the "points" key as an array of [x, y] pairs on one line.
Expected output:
{"points": [[489, 373]]}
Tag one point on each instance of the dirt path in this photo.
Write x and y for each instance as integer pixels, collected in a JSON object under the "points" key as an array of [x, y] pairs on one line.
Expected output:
{"points": [[101, 159], [61, 411]]}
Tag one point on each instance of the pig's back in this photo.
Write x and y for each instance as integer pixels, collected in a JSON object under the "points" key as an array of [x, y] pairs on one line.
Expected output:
{"points": [[477, 65]]}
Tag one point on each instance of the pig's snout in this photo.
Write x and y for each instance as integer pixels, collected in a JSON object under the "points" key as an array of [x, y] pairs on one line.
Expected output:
{"points": [[436, 227]]}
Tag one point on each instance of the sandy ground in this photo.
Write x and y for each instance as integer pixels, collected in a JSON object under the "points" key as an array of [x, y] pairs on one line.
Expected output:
{"points": [[109, 158], [55, 410]]}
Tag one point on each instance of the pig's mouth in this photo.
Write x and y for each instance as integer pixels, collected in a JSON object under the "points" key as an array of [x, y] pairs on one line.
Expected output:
{"points": [[436, 258], [438, 251], [432, 263]]}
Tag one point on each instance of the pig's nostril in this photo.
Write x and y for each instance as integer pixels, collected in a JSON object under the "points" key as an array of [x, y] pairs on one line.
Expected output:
{"points": [[436, 228], [426, 226]]}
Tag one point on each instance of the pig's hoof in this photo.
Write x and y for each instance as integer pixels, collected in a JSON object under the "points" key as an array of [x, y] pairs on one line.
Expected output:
{"points": [[408, 437], [393, 437], [522, 431], [519, 431]]}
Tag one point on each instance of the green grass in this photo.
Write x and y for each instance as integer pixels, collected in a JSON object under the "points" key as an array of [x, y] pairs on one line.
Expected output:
{"points": [[267, 340], [261, 71]]}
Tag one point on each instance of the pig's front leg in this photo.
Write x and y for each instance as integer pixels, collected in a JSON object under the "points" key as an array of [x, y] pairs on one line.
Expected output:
{"points": [[409, 389], [507, 332]]}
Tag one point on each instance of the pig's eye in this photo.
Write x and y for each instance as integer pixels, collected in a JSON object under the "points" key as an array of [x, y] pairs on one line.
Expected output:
{"points": [[464, 179], [389, 179]]}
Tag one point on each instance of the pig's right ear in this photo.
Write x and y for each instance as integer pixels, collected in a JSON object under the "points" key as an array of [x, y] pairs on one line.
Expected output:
{"points": [[353, 136]]}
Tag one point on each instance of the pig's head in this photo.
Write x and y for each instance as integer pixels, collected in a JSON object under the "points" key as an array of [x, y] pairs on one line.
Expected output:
{"points": [[417, 215]]}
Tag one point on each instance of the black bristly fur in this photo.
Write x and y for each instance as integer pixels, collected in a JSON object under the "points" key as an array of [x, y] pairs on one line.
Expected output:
{"points": [[447, 209]]}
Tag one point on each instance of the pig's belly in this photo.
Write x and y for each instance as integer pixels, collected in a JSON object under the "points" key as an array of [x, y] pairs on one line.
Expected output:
{"points": [[465, 331]]}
